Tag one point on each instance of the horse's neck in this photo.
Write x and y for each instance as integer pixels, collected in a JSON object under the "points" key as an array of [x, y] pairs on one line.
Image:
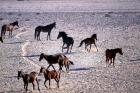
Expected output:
{"points": [[115, 51], [64, 38], [45, 57]]}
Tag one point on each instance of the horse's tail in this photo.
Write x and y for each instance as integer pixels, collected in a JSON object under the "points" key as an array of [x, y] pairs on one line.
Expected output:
{"points": [[1, 39], [3, 30], [35, 35], [81, 43], [71, 63]]}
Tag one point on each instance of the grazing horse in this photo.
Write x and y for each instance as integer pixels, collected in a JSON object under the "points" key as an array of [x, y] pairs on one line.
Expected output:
{"points": [[48, 75], [47, 28], [66, 40], [28, 78], [111, 54], [52, 59], [89, 41], [8, 27]]}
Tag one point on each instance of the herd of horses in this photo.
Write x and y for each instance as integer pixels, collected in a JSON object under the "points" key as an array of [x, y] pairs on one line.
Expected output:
{"points": [[60, 58]]}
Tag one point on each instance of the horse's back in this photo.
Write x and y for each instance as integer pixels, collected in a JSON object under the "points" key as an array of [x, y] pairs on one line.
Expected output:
{"points": [[107, 52], [71, 40]]}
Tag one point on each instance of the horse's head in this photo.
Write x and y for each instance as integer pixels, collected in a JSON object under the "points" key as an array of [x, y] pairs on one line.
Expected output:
{"points": [[42, 69], [15, 24], [54, 24], [41, 56], [61, 34], [20, 73], [94, 36], [120, 51]]}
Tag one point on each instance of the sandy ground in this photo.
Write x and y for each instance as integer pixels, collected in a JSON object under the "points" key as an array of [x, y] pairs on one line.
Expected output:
{"points": [[89, 74]]}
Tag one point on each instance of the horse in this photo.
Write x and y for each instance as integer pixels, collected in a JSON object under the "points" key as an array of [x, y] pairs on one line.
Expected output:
{"points": [[66, 62], [28, 78], [66, 40], [89, 42], [48, 75], [111, 54], [52, 59], [8, 27], [47, 28]]}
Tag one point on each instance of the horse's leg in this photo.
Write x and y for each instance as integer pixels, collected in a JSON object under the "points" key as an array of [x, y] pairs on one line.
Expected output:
{"points": [[49, 83], [96, 47], [49, 36], [26, 87], [39, 35], [113, 62], [9, 34], [110, 62], [68, 48], [33, 85], [49, 66], [45, 83], [67, 67], [57, 81], [85, 46], [60, 66], [53, 67], [71, 47], [37, 83], [63, 47], [106, 61], [4, 33], [90, 47]]}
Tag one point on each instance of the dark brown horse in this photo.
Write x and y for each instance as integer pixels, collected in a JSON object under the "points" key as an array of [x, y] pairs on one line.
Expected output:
{"points": [[8, 27], [52, 59], [111, 54], [28, 78], [66, 40], [89, 42], [48, 75], [45, 29]]}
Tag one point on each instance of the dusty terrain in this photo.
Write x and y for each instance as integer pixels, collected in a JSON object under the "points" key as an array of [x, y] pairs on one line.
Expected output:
{"points": [[89, 74]]}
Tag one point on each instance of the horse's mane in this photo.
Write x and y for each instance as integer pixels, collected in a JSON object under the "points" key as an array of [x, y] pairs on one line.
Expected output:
{"points": [[51, 24], [14, 23], [63, 33], [93, 36]]}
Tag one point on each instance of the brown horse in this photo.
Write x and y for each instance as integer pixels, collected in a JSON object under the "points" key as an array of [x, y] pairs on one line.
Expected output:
{"points": [[48, 75], [28, 78], [8, 27], [111, 54], [89, 42], [66, 62], [52, 59]]}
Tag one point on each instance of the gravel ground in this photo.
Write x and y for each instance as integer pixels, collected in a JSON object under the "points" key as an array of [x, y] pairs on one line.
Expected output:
{"points": [[89, 73]]}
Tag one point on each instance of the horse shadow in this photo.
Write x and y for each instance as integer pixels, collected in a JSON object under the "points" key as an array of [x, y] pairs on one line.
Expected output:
{"points": [[20, 42], [16, 91], [82, 69], [135, 60], [24, 56], [71, 53]]}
